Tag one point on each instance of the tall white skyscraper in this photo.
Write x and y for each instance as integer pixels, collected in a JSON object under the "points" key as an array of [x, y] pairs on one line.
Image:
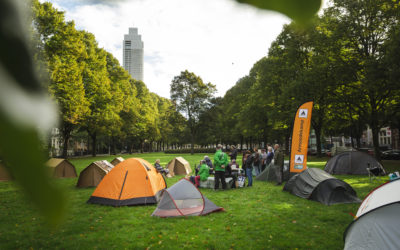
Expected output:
{"points": [[133, 54]]}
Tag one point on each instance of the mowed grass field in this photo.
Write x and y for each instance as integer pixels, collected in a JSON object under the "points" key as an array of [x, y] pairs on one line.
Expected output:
{"points": [[260, 217]]}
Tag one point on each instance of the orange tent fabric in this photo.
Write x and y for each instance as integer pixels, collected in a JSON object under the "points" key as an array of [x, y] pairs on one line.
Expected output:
{"points": [[132, 182]]}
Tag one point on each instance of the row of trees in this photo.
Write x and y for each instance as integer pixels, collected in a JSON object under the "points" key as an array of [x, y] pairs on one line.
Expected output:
{"points": [[93, 92], [346, 61]]}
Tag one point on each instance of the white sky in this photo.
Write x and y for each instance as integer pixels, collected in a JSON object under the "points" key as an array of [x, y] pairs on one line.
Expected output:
{"points": [[218, 40]]}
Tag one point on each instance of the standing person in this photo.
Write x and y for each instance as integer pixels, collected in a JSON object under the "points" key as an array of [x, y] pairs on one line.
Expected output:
{"points": [[248, 167], [263, 159], [233, 154], [278, 162], [270, 155], [220, 163], [256, 161]]}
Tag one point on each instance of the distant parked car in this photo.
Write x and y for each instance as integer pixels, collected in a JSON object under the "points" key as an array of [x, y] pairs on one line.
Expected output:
{"points": [[369, 151], [391, 155]]}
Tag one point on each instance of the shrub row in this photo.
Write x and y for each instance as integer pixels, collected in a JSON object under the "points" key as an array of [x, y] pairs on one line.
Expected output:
{"points": [[188, 151]]}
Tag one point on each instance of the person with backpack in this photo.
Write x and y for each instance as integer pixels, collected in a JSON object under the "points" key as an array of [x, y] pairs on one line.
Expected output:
{"points": [[220, 163]]}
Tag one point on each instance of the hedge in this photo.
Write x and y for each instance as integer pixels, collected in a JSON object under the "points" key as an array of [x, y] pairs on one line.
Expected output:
{"points": [[188, 151]]}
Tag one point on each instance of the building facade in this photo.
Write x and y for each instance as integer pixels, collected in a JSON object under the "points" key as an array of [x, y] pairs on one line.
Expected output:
{"points": [[133, 54]]}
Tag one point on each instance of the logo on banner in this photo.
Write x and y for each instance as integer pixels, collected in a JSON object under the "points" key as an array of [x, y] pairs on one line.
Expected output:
{"points": [[299, 159], [298, 166], [303, 113]]}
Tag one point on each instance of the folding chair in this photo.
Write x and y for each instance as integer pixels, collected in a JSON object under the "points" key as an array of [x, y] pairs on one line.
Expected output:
{"points": [[375, 172]]}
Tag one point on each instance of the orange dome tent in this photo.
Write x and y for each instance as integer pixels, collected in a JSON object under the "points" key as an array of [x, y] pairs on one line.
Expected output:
{"points": [[132, 182]]}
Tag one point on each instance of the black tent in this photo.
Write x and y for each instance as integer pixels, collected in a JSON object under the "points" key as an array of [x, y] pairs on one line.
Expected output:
{"points": [[269, 173], [316, 184], [352, 162]]}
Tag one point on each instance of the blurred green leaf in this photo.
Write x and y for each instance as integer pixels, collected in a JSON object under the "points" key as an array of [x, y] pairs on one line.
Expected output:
{"points": [[25, 110], [21, 150], [300, 11]]}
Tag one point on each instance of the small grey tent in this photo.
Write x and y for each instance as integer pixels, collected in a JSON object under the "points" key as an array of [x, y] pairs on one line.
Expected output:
{"points": [[377, 223], [178, 166], [184, 199], [117, 160], [61, 168], [316, 184], [352, 162], [269, 173], [94, 173]]}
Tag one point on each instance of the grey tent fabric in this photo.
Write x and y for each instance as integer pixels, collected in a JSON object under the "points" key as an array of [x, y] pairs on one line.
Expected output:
{"points": [[184, 199], [316, 184], [379, 229], [377, 223], [269, 173], [352, 162]]}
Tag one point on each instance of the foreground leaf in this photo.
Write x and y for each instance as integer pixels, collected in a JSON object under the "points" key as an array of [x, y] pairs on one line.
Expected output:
{"points": [[300, 11]]}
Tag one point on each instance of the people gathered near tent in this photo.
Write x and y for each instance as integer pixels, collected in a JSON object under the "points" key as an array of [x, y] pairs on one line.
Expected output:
{"points": [[254, 162]]}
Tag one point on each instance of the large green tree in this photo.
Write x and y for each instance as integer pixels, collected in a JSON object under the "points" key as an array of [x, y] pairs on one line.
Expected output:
{"points": [[65, 52], [191, 96]]}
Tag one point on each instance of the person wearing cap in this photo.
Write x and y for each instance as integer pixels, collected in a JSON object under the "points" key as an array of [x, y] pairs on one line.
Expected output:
{"points": [[220, 163]]}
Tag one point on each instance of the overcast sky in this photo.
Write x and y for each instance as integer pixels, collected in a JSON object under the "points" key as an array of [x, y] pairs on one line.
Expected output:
{"points": [[218, 40]]}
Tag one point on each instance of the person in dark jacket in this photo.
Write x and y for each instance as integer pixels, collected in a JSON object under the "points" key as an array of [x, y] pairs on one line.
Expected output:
{"points": [[248, 160], [234, 152], [279, 159], [270, 156]]}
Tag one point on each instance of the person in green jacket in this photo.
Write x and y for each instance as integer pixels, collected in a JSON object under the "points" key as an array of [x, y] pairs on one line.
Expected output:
{"points": [[220, 163], [203, 174]]}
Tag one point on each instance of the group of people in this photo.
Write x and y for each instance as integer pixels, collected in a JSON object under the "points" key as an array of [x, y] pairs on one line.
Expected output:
{"points": [[255, 159], [222, 167]]}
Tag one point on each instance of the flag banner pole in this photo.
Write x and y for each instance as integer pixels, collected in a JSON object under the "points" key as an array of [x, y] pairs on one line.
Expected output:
{"points": [[300, 135]]}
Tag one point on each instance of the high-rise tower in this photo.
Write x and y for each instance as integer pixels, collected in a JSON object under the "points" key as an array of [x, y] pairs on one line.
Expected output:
{"points": [[133, 54]]}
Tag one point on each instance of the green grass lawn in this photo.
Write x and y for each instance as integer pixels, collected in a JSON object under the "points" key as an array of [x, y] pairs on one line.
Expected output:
{"points": [[260, 217]]}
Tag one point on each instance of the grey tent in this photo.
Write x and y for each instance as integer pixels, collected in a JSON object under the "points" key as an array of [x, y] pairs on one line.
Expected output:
{"points": [[316, 184], [117, 160], [352, 162], [377, 223], [269, 173], [184, 199], [94, 173]]}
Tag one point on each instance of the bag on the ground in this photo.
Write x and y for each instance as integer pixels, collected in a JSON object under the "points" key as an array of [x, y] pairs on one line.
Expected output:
{"points": [[241, 181]]}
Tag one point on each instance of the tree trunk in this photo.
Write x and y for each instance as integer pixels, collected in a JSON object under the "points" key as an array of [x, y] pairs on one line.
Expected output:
{"points": [[375, 140], [94, 138], [318, 139], [66, 134]]}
